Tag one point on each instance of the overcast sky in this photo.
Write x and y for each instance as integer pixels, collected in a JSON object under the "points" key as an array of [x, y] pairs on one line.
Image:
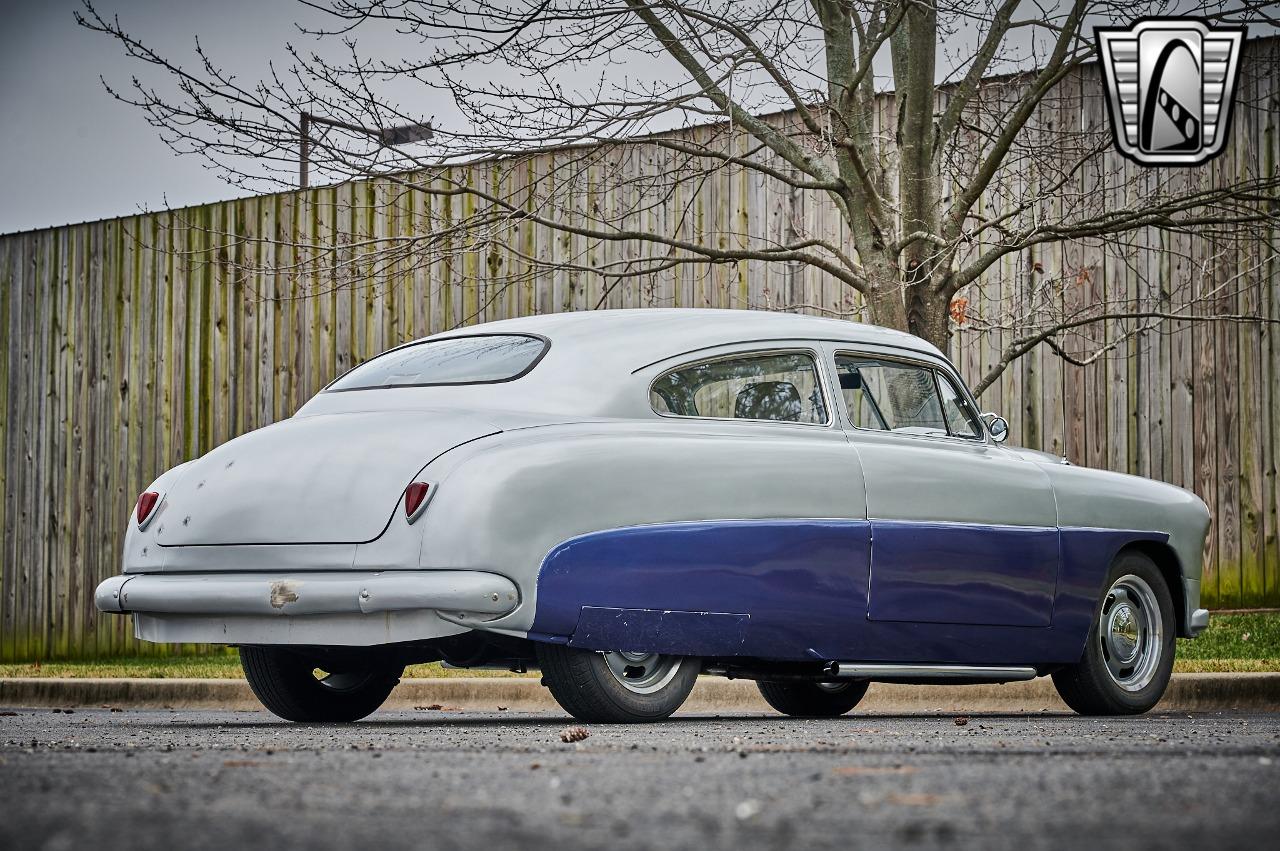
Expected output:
{"points": [[70, 153]]}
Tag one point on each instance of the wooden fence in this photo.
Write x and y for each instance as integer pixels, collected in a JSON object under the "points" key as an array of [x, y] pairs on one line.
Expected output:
{"points": [[136, 343]]}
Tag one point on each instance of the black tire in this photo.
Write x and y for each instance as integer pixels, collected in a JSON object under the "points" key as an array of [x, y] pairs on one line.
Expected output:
{"points": [[813, 700], [287, 685], [583, 684], [1092, 686]]}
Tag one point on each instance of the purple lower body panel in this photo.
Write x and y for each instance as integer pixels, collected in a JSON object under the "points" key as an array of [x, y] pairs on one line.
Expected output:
{"points": [[963, 573], [806, 590], [658, 631]]}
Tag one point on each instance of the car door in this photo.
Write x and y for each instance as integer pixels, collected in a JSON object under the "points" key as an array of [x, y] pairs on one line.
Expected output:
{"points": [[764, 465], [963, 531]]}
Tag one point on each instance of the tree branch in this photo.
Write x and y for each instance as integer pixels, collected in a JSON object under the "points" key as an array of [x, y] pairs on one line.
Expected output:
{"points": [[778, 143], [977, 70], [1023, 345], [1044, 81]]}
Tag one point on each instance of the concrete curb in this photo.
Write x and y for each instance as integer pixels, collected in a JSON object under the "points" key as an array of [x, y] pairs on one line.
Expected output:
{"points": [[1186, 693]]}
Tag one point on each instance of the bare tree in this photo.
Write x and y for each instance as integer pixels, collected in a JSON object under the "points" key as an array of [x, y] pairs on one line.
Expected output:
{"points": [[969, 164]]}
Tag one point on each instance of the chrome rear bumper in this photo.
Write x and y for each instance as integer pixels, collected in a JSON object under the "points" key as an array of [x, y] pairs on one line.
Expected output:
{"points": [[350, 608], [457, 592]]}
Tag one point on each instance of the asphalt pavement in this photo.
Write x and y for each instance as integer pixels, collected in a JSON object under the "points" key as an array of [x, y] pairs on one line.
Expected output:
{"points": [[438, 779]]}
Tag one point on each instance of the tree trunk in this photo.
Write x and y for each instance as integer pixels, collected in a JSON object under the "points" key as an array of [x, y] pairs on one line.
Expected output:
{"points": [[916, 305], [922, 312], [928, 314], [886, 307]]}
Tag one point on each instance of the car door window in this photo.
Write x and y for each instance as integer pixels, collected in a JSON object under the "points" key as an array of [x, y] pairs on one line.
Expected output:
{"points": [[960, 420], [902, 397], [781, 386]]}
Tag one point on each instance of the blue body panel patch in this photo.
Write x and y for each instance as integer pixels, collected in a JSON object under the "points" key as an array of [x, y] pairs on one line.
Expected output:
{"points": [[1086, 557], [795, 578], [654, 631], [963, 573], [798, 590]]}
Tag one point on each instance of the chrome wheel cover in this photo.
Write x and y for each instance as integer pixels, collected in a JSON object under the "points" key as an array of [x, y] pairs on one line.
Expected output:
{"points": [[642, 673], [1131, 633], [834, 687]]}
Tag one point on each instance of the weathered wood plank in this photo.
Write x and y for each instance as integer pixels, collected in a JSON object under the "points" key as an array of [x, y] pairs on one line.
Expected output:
{"points": [[1266, 142], [1269, 287], [1224, 271], [1252, 425], [42, 513], [27, 569], [94, 424], [9, 302], [1205, 424]]}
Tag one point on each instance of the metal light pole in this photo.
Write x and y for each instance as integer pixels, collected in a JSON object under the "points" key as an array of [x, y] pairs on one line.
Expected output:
{"points": [[304, 148], [389, 137]]}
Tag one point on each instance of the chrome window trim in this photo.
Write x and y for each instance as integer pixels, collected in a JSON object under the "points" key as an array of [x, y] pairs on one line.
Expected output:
{"points": [[820, 380], [832, 341], [983, 439], [976, 422]]}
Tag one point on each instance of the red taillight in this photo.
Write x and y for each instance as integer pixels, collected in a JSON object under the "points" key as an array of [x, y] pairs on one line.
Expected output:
{"points": [[146, 502], [415, 498]]}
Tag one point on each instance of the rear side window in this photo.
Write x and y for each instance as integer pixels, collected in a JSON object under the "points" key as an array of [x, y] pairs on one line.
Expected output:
{"points": [[459, 360], [782, 387]]}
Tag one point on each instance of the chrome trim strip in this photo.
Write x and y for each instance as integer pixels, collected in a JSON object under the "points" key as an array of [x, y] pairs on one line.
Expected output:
{"points": [[879, 670]]}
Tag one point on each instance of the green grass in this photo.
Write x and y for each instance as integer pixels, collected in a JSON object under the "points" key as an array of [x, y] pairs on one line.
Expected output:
{"points": [[1226, 666], [1241, 643], [1233, 643], [221, 665]]}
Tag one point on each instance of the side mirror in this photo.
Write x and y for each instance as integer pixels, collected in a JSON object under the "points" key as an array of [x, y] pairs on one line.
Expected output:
{"points": [[997, 425]]}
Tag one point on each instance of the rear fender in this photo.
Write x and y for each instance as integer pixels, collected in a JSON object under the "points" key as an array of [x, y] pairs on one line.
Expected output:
{"points": [[504, 504]]}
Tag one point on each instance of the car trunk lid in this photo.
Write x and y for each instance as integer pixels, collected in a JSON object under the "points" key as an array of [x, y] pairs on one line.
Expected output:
{"points": [[325, 479]]}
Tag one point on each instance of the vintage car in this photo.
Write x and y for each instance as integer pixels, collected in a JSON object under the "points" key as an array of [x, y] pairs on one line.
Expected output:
{"points": [[628, 499]]}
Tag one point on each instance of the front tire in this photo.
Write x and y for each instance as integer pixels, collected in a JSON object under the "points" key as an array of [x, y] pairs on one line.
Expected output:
{"points": [[1129, 655], [616, 687], [298, 688], [813, 700]]}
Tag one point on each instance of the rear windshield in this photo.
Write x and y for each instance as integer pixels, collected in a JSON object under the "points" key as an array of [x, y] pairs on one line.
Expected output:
{"points": [[459, 360]]}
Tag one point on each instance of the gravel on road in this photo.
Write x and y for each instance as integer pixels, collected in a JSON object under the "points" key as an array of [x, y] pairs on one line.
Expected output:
{"points": [[439, 779]]}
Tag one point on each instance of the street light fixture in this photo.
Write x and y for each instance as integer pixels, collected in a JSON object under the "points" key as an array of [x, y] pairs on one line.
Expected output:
{"points": [[389, 137]]}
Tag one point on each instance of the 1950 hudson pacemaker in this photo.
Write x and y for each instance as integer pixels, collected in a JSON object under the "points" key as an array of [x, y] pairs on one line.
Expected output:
{"points": [[628, 498]]}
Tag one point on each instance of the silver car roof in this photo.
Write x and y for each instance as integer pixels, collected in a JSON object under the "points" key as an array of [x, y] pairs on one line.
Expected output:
{"points": [[590, 369], [646, 335]]}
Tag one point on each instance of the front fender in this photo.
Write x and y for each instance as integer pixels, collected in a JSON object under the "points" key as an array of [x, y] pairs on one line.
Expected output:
{"points": [[1100, 499]]}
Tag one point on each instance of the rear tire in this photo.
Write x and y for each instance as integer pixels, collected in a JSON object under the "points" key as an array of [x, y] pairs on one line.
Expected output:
{"points": [[813, 700], [616, 688], [1129, 654], [288, 685]]}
